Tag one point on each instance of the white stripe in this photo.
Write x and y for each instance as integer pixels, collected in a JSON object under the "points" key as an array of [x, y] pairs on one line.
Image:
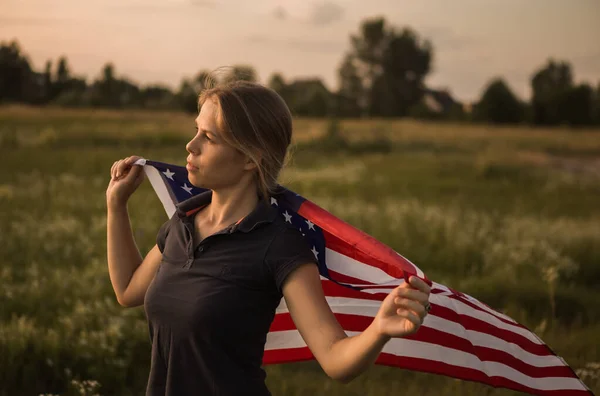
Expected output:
{"points": [[350, 267], [463, 309], [474, 301], [159, 188], [435, 353], [477, 338], [345, 265], [369, 308]]}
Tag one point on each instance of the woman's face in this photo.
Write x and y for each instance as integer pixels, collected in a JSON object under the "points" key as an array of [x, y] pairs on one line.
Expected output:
{"points": [[212, 163]]}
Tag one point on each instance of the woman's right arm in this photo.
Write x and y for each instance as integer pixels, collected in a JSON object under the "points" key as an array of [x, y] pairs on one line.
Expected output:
{"points": [[129, 274]]}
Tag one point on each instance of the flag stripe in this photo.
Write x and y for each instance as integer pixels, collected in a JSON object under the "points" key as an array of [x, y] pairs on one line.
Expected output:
{"points": [[532, 365], [369, 308], [436, 354], [160, 188], [355, 243], [276, 356], [345, 269], [439, 288], [456, 311]]}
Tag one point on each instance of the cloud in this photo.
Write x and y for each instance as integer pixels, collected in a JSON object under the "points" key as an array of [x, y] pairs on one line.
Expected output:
{"points": [[299, 44], [586, 63], [325, 12], [203, 3], [35, 21], [160, 6], [445, 38]]}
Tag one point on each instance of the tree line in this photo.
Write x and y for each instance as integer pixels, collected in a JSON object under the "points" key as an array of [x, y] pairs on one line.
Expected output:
{"points": [[382, 75]]}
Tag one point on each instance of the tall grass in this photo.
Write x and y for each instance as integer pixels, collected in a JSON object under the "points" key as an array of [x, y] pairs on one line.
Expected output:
{"points": [[496, 213]]}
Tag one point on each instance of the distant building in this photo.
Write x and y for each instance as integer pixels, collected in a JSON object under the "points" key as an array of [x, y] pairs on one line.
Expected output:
{"points": [[440, 101]]}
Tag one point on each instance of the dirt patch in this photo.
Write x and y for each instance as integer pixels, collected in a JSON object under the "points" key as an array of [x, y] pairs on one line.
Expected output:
{"points": [[583, 166]]}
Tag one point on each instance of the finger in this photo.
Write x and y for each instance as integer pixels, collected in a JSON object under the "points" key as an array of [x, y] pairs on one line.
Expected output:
{"points": [[122, 168], [131, 160], [413, 294], [116, 169], [414, 306], [112, 169], [419, 284], [134, 172], [416, 320], [119, 169]]}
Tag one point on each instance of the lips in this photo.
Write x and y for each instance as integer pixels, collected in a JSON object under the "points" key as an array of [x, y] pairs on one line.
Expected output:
{"points": [[189, 166]]}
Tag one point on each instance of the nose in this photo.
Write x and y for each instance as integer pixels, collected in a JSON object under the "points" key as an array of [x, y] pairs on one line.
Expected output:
{"points": [[193, 146]]}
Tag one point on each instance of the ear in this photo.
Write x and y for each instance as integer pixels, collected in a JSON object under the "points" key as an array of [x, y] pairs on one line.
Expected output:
{"points": [[249, 164]]}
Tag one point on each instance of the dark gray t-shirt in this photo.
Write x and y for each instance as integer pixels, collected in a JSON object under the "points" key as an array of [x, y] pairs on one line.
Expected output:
{"points": [[210, 306]]}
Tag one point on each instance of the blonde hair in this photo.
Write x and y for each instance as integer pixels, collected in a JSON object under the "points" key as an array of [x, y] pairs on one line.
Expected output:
{"points": [[256, 121]]}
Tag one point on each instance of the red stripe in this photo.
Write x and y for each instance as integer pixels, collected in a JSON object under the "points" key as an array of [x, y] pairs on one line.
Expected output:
{"points": [[474, 306], [436, 337], [423, 365], [352, 242], [338, 277], [275, 356], [466, 374], [332, 289]]}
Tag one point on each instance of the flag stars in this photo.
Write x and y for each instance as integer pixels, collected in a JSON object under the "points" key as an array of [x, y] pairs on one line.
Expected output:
{"points": [[314, 250], [169, 174], [300, 229], [187, 188], [288, 217], [311, 225], [274, 201]]}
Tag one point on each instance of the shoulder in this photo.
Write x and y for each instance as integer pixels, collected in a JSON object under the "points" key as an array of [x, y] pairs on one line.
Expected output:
{"points": [[164, 231], [288, 250]]}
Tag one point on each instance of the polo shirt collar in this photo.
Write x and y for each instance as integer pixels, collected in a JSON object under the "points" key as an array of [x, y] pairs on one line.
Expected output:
{"points": [[262, 213]]}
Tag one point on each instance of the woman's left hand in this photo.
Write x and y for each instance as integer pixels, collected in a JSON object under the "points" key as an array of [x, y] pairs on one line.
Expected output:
{"points": [[403, 310]]}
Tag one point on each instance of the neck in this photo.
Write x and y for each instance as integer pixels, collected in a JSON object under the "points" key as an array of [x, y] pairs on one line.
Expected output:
{"points": [[232, 204]]}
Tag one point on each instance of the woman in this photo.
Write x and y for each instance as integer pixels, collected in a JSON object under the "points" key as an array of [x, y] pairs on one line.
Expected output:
{"points": [[223, 262]]}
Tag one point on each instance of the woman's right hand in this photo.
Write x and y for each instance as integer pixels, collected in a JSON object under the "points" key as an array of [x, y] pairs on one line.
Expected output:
{"points": [[125, 178]]}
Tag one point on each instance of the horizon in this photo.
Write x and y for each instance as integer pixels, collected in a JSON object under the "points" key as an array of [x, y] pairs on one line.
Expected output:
{"points": [[471, 44]]}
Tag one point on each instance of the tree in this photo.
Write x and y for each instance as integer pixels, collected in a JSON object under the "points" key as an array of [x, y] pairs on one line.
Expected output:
{"points": [[499, 105], [277, 83], [309, 98], [15, 73], [187, 97], [597, 105], [240, 73], [391, 67], [62, 78], [577, 105], [405, 62], [48, 82], [549, 85], [350, 97]]}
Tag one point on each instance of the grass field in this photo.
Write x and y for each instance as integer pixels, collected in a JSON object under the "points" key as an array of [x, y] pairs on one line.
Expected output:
{"points": [[508, 215]]}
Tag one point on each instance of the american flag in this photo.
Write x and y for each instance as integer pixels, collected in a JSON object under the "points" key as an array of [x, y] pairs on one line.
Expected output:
{"points": [[461, 337]]}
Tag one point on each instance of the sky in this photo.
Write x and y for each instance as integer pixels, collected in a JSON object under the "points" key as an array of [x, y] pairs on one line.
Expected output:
{"points": [[162, 41]]}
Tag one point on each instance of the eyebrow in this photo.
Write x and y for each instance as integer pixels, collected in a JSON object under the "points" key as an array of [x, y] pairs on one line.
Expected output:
{"points": [[205, 130]]}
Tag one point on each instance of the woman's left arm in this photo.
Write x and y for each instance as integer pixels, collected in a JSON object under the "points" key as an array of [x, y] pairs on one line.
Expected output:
{"points": [[343, 358]]}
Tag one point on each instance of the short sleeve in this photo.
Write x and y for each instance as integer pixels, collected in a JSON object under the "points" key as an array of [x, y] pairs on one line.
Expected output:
{"points": [[287, 251], [163, 231]]}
